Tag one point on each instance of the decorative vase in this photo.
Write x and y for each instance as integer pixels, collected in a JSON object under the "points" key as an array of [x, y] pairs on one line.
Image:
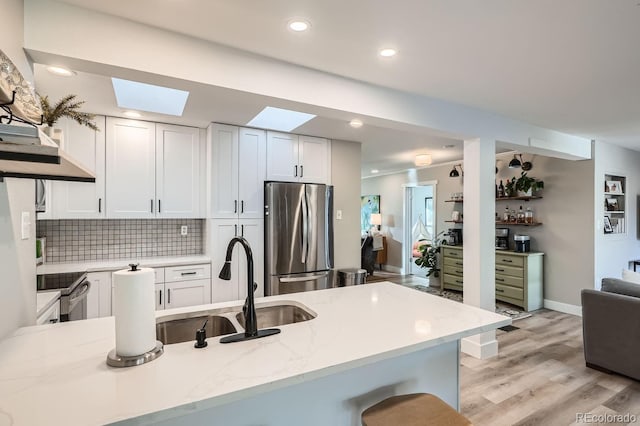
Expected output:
{"points": [[54, 133], [529, 193], [434, 282]]}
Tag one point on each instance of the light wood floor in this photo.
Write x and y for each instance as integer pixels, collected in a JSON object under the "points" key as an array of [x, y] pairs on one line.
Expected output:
{"points": [[539, 376]]}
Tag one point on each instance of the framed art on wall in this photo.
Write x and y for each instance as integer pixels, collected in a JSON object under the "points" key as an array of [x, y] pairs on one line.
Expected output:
{"points": [[369, 204], [608, 229]]}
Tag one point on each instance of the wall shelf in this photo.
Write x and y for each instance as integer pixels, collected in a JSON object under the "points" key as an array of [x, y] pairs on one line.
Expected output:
{"points": [[523, 198], [614, 201], [518, 224]]}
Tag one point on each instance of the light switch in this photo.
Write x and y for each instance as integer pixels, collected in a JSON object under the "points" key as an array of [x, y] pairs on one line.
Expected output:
{"points": [[26, 225], [338, 214]]}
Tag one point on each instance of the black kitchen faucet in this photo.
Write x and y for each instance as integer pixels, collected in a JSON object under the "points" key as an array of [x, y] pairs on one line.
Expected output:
{"points": [[250, 319]]}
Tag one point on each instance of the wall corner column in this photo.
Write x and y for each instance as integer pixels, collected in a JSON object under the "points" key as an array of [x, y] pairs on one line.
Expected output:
{"points": [[479, 239]]}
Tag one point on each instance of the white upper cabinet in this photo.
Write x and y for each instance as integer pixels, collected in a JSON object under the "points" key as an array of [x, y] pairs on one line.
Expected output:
{"points": [[153, 170], [314, 158], [237, 170], [131, 168], [282, 157], [251, 173], [178, 184], [79, 200], [293, 158]]}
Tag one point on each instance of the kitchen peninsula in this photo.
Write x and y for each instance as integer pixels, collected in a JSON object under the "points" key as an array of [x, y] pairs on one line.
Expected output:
{"points": [[366, 343]]}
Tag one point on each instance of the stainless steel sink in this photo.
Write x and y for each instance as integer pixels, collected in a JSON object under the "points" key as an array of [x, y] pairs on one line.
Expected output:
{"points": [[273, 316], [180, 330]]}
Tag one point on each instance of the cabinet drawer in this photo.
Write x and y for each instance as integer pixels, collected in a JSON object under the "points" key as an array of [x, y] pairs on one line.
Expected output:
{"points": [[507, 291], [505, 259], [449, 252], [509, 280], [452, 270], [456, 287], [159, 272], [453, 280], [189, 272], [453, 261], [509, 270]]}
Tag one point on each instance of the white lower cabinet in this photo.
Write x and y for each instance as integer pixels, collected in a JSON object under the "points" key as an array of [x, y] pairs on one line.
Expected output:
{"points": [[183, 286], [100, 295], [51, 315], [221, 233]]}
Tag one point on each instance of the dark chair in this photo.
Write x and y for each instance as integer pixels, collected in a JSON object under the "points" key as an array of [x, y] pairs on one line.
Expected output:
{"points": [[367, 255]]}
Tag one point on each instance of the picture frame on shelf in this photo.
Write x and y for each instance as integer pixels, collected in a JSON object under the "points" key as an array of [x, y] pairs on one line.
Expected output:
{"points": [[613, 187], [611, 204], [608, 229]]}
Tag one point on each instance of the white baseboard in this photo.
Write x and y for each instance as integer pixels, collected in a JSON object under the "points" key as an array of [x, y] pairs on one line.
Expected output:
{"points": [[563, 307], [485, 350], [391, 268]]}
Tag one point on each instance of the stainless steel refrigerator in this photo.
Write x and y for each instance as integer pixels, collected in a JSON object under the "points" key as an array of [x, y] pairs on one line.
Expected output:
{"points": [[298, 237]]}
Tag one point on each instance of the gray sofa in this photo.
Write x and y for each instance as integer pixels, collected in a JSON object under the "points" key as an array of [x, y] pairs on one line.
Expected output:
{"points": [[611, 327]]}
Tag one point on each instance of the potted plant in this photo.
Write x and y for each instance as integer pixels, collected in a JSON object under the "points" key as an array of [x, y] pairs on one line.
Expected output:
{"points": [[429, 259], [526, 185], [510, 187], [65, 107]]}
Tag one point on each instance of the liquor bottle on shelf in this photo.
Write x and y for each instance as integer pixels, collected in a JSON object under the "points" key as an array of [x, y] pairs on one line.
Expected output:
{"points": [[528, 215], [505, 216], [520, 217], [512, 216], [501, 190]]}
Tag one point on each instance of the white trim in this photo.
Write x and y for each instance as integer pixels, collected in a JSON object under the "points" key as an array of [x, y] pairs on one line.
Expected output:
{"points": [[406, 214], [391, 268], [563, 307], [479, 350]]}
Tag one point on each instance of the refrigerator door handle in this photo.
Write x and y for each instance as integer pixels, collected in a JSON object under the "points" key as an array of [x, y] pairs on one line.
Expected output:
{"points": [[305, 228], [307, 278]]}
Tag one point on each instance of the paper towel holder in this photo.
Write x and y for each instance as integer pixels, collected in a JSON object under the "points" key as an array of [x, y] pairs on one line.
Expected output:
{"points": [[115, 360]]}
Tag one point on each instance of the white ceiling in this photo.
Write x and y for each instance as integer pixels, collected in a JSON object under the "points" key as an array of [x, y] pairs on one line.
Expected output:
{"points": [[569, 65]]}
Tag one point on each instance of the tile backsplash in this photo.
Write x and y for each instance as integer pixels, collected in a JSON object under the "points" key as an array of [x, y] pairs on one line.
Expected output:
{"points": [[86, 240]]}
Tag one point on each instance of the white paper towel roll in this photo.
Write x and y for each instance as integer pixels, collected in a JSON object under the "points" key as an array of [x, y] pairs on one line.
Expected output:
{"points": [[135, 310]]}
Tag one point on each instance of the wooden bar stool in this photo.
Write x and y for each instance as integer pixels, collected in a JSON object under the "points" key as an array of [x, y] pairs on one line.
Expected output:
{"points": [[418, 409]]}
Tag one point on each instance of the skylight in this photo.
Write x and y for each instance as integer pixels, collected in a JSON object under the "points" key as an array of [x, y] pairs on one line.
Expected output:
{"points": [[280, 119], [147, 97]]}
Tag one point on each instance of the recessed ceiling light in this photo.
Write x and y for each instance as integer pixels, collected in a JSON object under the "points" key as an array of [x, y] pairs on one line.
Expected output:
{"points": [[148, 97], [132, 114], [388, 52], [355, 123], [64, 72], [279, 119], [299, 25], [375, 171]]}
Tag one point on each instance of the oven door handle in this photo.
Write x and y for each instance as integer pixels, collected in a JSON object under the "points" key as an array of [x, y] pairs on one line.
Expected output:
{"points": [[86, 286]]}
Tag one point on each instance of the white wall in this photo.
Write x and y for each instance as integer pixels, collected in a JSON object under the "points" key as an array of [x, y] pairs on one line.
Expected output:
{"points": [[345, 177], [17, 256], [613, 251]]}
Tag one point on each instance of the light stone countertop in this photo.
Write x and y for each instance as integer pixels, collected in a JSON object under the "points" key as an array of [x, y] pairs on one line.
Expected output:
{"points": [[44, 368], [116, 264]]}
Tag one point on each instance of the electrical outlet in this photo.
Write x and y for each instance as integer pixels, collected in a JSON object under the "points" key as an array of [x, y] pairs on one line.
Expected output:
{"points": [[338, 214], [184, 230]]}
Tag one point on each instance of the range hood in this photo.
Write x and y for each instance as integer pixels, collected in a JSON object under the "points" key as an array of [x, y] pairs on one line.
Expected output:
{"points": [[26, 152]]}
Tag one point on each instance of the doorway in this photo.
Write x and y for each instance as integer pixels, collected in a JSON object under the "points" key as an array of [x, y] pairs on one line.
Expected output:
{"points": [[420, 221]]}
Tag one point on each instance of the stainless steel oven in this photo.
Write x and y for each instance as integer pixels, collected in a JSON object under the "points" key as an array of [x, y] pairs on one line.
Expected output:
{"points": [[74, 288]]}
